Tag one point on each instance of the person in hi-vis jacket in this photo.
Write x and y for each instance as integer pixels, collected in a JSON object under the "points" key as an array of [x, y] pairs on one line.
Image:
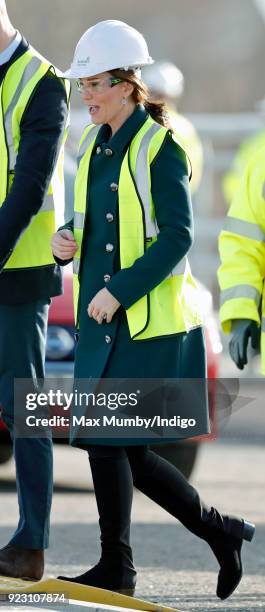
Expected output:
{"points": [[33, 115], [242, 270], [135, 297]]}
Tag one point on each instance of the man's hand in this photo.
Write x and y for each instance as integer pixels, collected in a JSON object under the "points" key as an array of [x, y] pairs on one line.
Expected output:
{"points": [[242, 330], [103, 306], [64, 245]]}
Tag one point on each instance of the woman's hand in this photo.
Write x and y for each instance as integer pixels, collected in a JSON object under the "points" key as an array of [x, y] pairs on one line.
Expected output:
{"points": [[63, 244], [103, 306]]}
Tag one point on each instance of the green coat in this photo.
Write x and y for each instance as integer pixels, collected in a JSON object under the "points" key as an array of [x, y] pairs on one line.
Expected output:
{"points": [[107, 350]]}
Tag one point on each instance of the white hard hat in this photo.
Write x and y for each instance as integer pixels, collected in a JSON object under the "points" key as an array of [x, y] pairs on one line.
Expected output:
{"points": [[165, 79], [108, 45]]}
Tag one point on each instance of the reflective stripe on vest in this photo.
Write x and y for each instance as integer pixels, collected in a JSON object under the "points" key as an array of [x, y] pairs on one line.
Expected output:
{"points": [[86, 142], [241, 291], [79, 220], [244, 228], [48, 204], [79, 217], [26, 77], [142, 182], [141, 177], [172, 306], [76, 266], [33, 247]]}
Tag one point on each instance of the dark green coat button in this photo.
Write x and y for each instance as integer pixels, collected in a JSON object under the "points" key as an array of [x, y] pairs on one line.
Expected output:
{"points": [[107, 278], [114, 187], [108, 339], [109, 247], [109, 217], [108, 152]]}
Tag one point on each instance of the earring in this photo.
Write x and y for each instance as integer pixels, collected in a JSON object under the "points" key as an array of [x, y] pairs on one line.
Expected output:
{"points": [[124, 101]]}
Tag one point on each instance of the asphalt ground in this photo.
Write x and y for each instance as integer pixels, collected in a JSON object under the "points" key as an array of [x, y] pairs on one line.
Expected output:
{"points": [[174, 567]]}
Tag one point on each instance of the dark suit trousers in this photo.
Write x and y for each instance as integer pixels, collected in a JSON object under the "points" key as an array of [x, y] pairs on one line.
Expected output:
{"points": [[22, 355]]}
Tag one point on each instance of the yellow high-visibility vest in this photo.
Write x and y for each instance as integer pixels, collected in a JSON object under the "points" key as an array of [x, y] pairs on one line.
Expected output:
{"points": [[33, 248], [173, 305], [242, 251]]}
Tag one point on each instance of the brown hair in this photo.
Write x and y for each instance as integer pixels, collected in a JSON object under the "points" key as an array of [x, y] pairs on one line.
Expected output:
{"points": [[156, 109]]}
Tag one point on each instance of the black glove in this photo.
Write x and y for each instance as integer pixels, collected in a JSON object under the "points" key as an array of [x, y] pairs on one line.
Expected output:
{"points": [[242, 330]]}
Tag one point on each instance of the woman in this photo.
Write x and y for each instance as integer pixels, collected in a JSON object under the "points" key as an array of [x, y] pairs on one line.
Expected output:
{"points": [[136, 304]]}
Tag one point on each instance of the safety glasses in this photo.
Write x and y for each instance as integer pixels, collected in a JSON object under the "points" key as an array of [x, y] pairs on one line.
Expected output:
{"points": [[97, 85]]}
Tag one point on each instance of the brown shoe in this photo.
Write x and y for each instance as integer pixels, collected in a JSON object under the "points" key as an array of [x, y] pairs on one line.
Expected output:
{"points": [[21, 563]]}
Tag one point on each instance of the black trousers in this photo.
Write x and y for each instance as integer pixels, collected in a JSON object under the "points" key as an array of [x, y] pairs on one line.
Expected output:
{"points": [[116, 469]]}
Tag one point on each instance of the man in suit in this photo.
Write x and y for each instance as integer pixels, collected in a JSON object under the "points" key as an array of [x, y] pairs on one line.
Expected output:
{"points": [[33, 116]]}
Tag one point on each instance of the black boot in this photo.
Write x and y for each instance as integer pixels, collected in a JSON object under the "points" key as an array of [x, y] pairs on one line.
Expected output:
{"points": [[108, 574], [225, 535], [166, 485], [113, 489]]}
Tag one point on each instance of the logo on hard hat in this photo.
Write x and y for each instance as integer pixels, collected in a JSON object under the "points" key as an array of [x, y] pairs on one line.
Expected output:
{"points": [[83, 62]]}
